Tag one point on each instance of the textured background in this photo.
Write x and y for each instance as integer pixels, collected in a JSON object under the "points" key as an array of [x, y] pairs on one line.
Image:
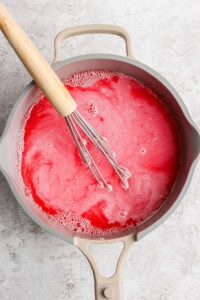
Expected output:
{"points": [[165, 265]]}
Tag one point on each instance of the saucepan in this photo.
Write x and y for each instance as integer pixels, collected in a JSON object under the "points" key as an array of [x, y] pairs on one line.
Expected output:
{"points": [[105, 288]]}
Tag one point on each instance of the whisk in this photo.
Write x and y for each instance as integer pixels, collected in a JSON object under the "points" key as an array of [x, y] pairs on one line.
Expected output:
{"points": [[60, 98]]}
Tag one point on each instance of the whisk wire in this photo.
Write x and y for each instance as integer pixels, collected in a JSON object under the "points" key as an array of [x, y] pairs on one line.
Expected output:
{"points": [[75, 122], [99, 142], [85, 153]]}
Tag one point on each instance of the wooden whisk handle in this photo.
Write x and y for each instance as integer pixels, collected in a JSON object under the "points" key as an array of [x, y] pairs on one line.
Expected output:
{"points": [[36, 65]]}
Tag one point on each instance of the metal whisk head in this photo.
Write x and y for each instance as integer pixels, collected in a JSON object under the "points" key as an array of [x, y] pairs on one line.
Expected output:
{"points": [[78, 124]]}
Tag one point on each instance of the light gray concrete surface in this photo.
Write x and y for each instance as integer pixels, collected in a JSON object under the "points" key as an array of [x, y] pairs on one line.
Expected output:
{"points": [[165, 265]]}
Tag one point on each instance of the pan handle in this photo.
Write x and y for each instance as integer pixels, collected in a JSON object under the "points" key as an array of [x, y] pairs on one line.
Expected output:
{"points": [[91, 29], [106, 287]]}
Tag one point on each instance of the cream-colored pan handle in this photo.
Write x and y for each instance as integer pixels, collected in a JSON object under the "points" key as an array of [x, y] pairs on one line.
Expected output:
{"points": [[37, 66], [106, 287], [91, 29]]}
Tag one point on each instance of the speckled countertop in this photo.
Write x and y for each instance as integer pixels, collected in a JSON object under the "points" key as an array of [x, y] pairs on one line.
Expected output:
{"points": [[165, 265]]}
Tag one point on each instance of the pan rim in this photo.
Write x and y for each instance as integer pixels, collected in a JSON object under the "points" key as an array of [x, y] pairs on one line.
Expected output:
{"points": [[135, 230]]}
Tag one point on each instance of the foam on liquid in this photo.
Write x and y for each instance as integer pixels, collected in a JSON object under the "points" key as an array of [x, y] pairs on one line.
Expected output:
{"points": [[139, 130]]}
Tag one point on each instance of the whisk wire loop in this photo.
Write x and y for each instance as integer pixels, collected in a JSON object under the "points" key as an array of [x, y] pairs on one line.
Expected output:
{"points": [[85, 153], [76, 122]]}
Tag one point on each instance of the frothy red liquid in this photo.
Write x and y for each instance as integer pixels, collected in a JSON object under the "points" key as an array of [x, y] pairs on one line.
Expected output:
{"points": [[138, 128]]}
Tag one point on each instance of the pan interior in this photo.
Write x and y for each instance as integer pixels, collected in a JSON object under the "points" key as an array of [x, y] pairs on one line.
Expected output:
{"points": [[133, 70]]}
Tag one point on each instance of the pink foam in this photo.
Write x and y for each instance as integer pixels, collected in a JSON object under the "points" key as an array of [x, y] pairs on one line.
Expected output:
{"points": [[138, 128]]}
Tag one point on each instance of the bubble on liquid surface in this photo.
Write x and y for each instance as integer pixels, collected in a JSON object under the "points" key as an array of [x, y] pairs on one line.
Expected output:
{"points": [[92, 110], [77, 224], [20, 138], [84, 154], [143, 151], [27, 191], [123, 214], [86, 78], [126, 174]]}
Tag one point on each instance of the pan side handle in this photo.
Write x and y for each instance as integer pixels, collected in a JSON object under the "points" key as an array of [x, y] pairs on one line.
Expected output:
{"points": [[91, 29]]}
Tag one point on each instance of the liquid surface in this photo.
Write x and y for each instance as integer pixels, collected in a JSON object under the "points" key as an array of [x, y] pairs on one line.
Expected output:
{"points": [[137, 127]]}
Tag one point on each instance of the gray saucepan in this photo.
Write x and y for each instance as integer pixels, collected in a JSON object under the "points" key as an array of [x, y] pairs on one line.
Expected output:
{"points": [[106, 288]]}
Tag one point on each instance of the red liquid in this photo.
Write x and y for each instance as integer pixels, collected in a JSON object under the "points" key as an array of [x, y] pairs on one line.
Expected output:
{"points": [[138, 128]]}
